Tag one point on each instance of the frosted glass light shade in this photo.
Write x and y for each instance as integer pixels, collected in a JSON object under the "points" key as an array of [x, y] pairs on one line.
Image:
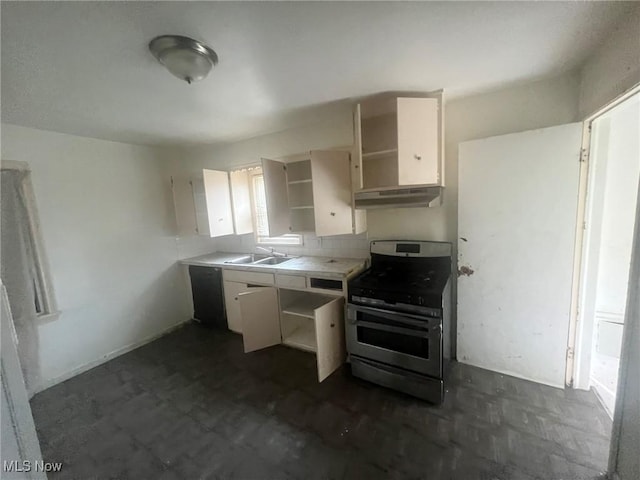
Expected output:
{"points": [[186, 64], [187, 59]]}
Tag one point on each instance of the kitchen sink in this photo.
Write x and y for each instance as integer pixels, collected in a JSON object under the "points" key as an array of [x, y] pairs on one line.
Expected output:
{"points": [[272, 260], [253, 258]]}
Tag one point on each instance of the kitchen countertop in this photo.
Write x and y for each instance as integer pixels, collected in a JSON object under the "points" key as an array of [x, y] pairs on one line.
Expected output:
{"points": [[325, 266]]}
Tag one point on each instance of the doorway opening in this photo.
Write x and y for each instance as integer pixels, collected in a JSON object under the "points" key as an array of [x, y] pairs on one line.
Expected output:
{"points": [[612, 176]]}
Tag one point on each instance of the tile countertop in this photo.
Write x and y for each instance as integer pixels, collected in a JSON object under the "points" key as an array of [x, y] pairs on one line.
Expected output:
{"points": [[325, 266]]}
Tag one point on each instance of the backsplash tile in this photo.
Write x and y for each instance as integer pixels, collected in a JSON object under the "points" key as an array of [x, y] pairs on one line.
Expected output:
{"points": [[343, 246]]}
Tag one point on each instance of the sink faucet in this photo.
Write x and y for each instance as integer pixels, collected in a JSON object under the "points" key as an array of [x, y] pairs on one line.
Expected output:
{"points": [[272, 251]]}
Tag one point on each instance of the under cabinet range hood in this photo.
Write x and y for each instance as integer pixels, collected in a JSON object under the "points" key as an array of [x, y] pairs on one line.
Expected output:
{"points": [[402, 197]]}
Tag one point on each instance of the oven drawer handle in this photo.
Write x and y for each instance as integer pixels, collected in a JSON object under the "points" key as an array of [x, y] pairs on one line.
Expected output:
{"points": [[412, 320], [391, 328]]}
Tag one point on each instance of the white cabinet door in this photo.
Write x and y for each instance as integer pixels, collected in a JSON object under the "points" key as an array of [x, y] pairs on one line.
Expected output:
{"points": [[356, 160], [329, 319], [241, 201], [260, 318], [218, 200], [275, 187], [331, 192], [418, 140], [232, 304], [200, 206]]}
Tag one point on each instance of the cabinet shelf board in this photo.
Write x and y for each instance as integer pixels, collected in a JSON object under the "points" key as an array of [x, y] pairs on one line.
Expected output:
{"points": [[379, 154], [302, 207], [305, 306], [303, 337], [294, 182]]}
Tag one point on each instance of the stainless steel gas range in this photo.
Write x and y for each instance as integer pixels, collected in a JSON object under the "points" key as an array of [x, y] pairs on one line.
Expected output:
{"points": [[398, 317]]}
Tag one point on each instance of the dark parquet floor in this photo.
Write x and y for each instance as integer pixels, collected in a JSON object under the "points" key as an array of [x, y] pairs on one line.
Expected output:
{"points": [[192, 405]]}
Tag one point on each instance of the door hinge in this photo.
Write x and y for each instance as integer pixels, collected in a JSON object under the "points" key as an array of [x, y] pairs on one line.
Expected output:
{"points": [[570, 352], [584, 155], [171, 182], [284, 167], [584, 225]]}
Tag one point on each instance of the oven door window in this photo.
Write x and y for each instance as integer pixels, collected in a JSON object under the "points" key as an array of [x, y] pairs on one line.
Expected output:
{"points": [[394, 336]]}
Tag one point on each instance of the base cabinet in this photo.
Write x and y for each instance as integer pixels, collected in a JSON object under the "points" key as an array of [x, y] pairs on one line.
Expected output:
{"points": [[268, 316], [314, 323]]}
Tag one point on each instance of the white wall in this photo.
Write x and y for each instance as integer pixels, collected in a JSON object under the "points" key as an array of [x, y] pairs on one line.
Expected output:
{"points": [[613, 68], [107, 222]]}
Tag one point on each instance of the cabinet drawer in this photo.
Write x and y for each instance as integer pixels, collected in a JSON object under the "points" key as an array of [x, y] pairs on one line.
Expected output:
{"points": [[292, 281], [248, 277]]}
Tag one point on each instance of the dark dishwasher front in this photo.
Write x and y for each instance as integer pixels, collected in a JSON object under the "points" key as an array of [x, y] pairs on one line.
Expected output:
{"points": [[208, 298]]}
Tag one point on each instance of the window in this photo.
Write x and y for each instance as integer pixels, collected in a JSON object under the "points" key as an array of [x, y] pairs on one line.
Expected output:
{"points": [[23, 270], [261, 223]]}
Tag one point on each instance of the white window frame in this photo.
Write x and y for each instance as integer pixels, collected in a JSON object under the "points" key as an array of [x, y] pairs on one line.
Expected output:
{"points": [[42, 282], [287, 239]]}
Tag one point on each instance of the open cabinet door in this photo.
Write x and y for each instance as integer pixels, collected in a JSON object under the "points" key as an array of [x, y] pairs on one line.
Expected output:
{"points": [[330, 337], [518, 198], [260, 318], [331, 192], [218, 198], [276, 192], [356, 159]]}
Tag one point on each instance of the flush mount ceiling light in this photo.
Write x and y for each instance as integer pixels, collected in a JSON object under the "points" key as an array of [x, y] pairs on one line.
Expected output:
{"points": [[186, 58]]}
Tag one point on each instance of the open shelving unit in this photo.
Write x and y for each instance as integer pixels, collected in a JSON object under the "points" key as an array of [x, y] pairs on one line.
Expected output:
{"points": [[298, 316], [300, 192], [298, 332]]}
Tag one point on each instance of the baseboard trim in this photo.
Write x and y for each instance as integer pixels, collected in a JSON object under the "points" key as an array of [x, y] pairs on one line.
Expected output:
{"points": [[109, 356], [596, 389], [513, 374]]}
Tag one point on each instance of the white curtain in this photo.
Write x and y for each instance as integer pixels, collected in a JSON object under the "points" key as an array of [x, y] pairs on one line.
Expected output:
{"points": [[18, 271]]}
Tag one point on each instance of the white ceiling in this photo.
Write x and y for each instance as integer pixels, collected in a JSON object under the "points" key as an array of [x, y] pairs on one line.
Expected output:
{"points": [[84, 68]]}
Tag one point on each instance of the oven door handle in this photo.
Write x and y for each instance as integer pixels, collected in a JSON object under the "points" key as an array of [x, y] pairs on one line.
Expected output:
{"points": [[407, 319], [392, 329]]}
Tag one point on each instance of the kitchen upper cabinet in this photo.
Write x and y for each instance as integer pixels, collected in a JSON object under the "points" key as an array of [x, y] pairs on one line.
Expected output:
{"points": [[311, 193], [398, 142], [221, 204]]}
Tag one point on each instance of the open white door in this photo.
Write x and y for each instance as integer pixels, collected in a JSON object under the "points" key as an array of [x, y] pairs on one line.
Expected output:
{"points": [[19, 439], [518, 196], [276, 192], [260, 318]]}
